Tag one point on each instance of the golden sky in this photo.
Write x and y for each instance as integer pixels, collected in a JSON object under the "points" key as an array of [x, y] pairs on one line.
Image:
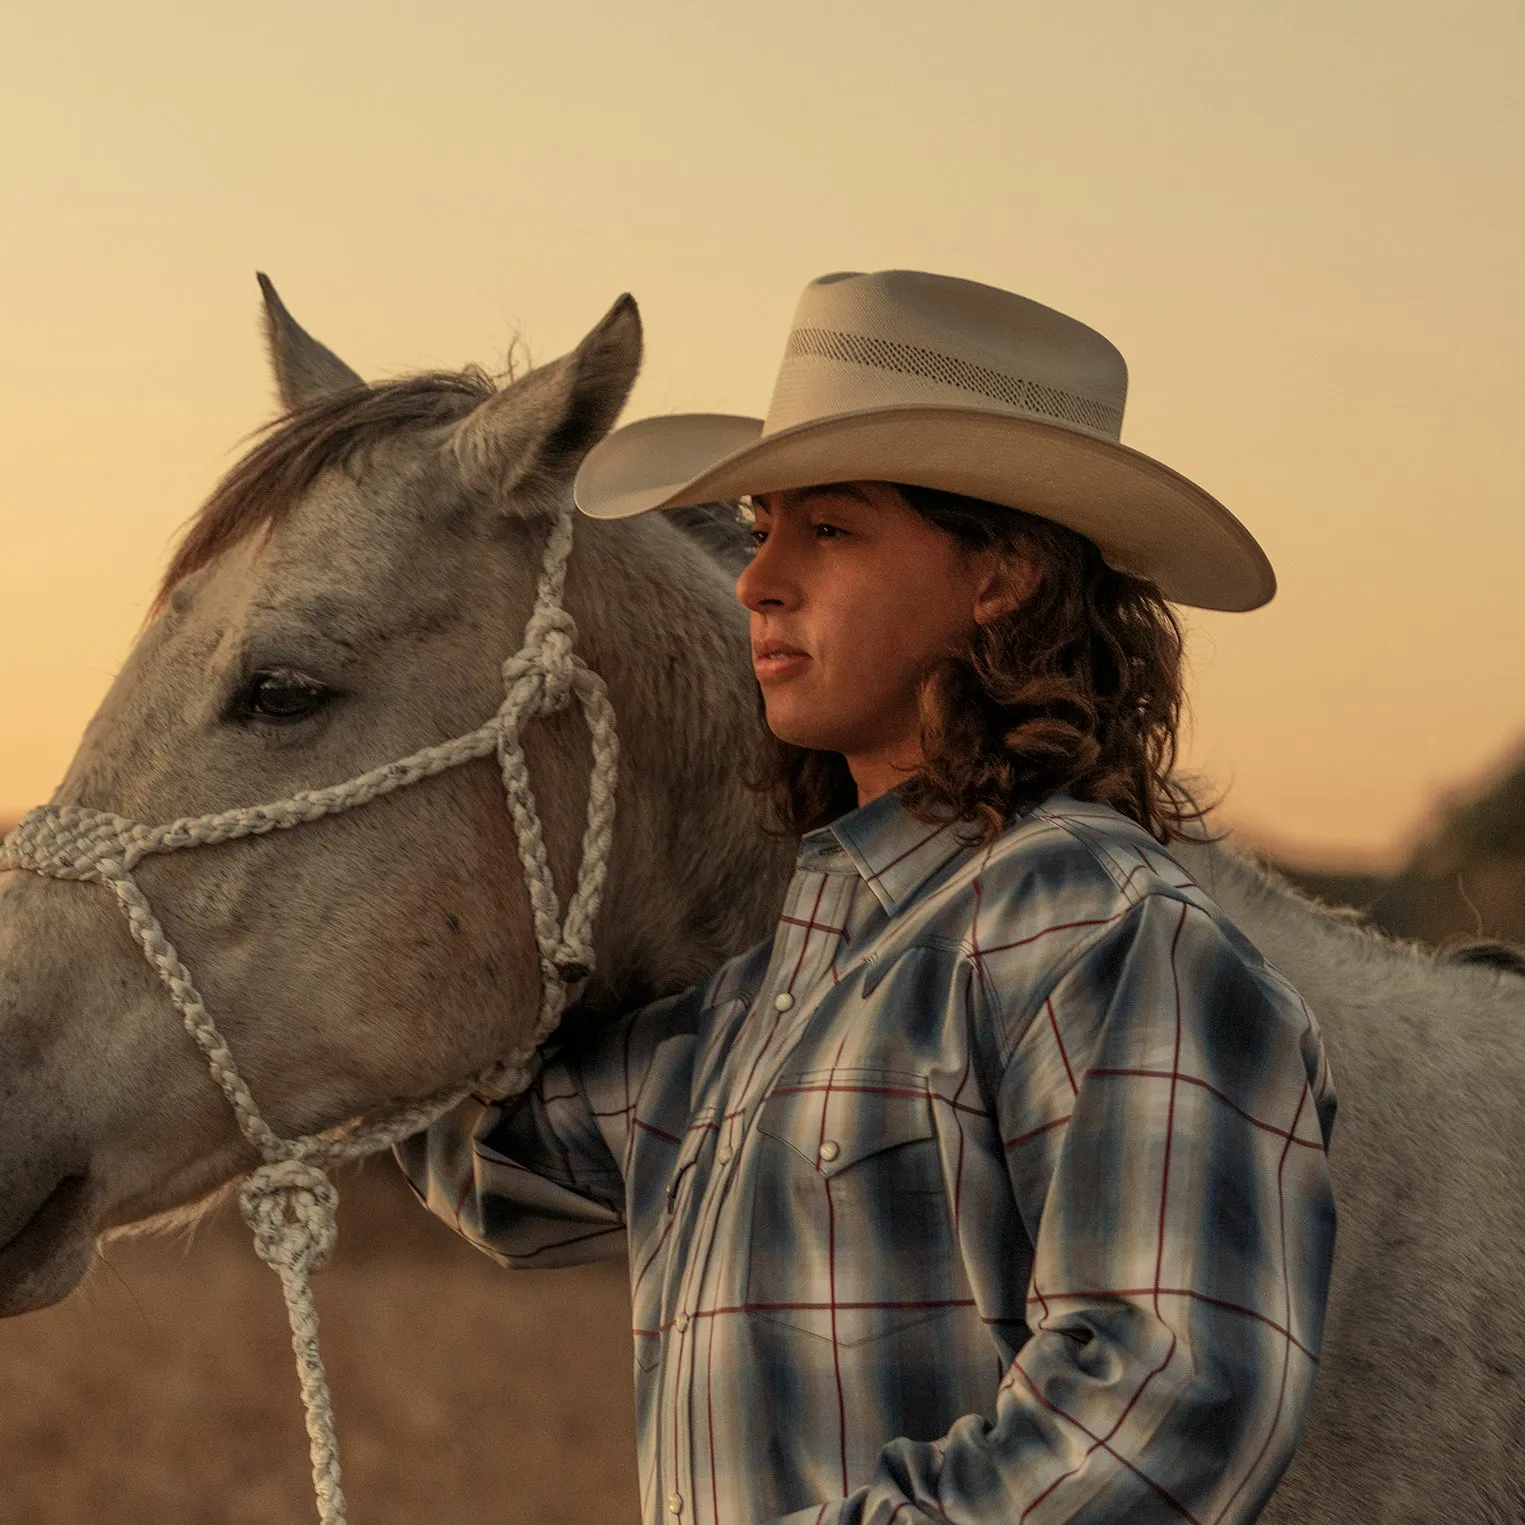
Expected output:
{"points": [[1301, 222]]}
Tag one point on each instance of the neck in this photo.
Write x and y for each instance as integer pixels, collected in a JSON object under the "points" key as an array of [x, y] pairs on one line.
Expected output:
{"points": [[878, 772]]}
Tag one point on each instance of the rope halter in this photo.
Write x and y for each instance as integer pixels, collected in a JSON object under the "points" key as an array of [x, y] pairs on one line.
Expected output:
{"points": [[289, 1202]]}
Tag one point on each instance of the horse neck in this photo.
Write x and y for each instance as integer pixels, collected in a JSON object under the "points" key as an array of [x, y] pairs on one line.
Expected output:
{"points": [[694, 878]]}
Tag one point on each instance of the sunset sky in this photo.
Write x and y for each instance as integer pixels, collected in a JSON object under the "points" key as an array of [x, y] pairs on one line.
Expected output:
{"points": [[1303, 224]]}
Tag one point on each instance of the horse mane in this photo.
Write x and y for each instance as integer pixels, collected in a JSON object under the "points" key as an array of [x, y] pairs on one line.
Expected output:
{"points": [[293, 450], [717, 528]]}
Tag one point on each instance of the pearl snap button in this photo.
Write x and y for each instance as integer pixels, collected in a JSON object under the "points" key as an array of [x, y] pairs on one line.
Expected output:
{"points": [[723, 1154], [675, 1503], [830, 1150], [783, 1001], [681, 1323]]}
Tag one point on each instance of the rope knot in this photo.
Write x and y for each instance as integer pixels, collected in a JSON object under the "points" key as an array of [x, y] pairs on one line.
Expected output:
{"points": [[69, 842], [290, 1207], [554, 626], [547, 656]]}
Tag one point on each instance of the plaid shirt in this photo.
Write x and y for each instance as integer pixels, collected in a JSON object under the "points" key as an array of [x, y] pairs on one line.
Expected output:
{"points": [[991, 1187]]}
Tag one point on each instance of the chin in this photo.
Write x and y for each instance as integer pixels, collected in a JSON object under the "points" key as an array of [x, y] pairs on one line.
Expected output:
{"points": [[810, 741], [798, 727]]}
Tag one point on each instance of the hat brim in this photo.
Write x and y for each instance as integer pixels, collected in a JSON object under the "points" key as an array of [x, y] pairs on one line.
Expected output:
{"points": [[1145, 518]]}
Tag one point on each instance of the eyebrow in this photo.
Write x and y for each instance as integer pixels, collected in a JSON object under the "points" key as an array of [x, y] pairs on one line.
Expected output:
{"points": [[796, 497]]}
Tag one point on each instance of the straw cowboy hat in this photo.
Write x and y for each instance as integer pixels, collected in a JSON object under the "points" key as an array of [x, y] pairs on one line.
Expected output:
{"points": [[905, 377]]}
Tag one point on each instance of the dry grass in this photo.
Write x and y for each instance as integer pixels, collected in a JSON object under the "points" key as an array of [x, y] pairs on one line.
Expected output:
{"points": [[164, 1390]]}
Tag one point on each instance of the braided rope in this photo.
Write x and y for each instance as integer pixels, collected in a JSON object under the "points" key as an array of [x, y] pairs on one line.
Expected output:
{"points": [[289, 1202]]}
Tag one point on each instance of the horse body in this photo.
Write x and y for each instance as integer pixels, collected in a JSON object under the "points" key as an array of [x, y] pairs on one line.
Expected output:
{"points": [[387, 953], [1419, 1409]]}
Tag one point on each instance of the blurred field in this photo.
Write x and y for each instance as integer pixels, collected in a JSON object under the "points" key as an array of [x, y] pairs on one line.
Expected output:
{"points": [[164, 1390], [1465, 877]]}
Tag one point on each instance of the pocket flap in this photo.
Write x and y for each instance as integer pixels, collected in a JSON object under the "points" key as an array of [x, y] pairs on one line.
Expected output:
{"points": [[700, 1133], [833, 1119]]}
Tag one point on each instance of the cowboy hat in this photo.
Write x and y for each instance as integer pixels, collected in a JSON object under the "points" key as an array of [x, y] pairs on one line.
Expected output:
{"points": [[900, 376]]}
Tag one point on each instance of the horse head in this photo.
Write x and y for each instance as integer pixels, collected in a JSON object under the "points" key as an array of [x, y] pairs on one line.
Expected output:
{"points": [[347, 597]]}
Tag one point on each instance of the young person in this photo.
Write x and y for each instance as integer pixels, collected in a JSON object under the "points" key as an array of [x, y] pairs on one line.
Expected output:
{"points": [[992, 1186]]}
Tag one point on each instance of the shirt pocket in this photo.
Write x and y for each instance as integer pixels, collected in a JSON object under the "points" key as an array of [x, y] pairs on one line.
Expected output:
{"points": [[851, 1228]]}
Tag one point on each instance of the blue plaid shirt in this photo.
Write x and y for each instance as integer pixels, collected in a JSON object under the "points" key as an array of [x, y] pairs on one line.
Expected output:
{"points": [[991, 1187]]}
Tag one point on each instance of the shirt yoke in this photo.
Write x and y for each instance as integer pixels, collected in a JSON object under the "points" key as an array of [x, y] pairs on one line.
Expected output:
{"points": [[1020, 911], [1025, 910]]}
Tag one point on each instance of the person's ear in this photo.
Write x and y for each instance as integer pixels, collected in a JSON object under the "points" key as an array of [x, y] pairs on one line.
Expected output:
{"points": [[1006, 583]]}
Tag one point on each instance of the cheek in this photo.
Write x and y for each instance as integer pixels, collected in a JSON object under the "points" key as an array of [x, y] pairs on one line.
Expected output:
{"points": [[890, 641], [881, 657]]}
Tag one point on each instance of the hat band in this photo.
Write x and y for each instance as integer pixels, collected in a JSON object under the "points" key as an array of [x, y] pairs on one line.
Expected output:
{"points": [[966, 375]]}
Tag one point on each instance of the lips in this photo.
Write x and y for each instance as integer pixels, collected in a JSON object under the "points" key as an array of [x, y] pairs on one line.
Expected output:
{"points": [[773, 660]]}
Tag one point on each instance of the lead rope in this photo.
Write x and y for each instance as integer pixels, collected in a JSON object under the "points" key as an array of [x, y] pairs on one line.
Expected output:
{"points": [[289, 1202]]}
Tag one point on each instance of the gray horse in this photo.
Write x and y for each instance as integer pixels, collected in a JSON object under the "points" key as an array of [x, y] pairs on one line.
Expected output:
{"points": [[345, 598]]}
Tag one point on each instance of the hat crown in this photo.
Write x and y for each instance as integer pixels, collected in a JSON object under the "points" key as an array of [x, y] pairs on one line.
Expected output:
{"points": [[906, 337]]}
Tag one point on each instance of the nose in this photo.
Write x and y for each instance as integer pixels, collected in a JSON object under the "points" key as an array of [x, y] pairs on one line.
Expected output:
{"points": [[768, 582]]}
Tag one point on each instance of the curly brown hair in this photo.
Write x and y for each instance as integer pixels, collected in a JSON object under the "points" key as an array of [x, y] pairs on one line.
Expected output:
{"points": [[1078, 690]]}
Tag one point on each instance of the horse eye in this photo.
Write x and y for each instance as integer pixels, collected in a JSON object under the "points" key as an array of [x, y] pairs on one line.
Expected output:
{"points": [[282, 695]]}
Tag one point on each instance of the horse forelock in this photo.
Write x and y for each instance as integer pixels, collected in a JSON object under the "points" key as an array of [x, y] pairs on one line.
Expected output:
{"points": [[293, 450]]}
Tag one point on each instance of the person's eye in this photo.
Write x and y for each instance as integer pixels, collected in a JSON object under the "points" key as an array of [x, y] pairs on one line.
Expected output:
{"points": [[829, 532]]}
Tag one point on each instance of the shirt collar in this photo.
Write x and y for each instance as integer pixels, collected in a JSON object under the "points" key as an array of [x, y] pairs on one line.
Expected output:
{"points": [[893, 852]]}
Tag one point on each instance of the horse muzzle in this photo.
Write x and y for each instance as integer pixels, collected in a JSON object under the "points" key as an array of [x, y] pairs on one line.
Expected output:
{"points": [[47, 1252]]}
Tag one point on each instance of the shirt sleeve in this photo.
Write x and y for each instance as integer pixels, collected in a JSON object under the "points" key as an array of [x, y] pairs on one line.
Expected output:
{"points": [[1166, 1113], [539, 1181]]}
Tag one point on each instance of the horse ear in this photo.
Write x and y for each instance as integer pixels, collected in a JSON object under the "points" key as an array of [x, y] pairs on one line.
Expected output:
{"points": [[533, 434], [304, 369]]}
